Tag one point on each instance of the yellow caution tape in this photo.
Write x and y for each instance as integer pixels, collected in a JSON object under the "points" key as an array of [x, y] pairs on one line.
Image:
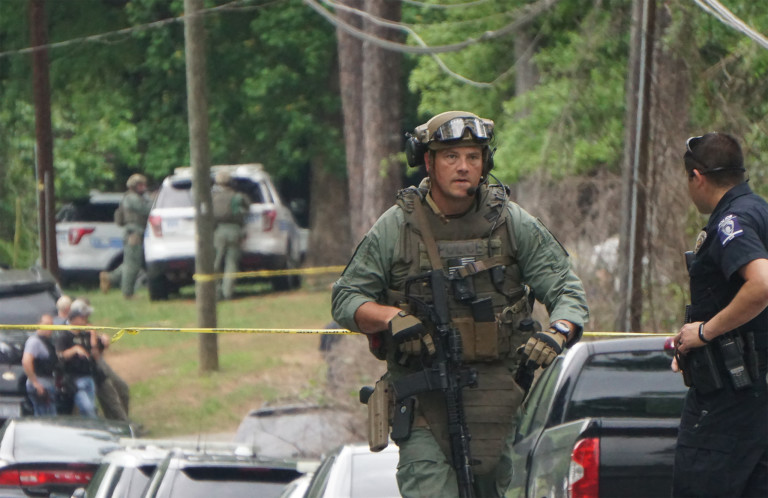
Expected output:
{"points": [[119, 332], [202, 277]]}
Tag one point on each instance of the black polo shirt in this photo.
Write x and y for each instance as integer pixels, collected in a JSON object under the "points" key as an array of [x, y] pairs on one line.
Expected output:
{"points": [[736, 233]]}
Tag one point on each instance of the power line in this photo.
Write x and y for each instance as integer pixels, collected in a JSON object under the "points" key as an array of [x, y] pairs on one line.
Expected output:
{"points": [[529, 13], [725, 16], [398, 25], [104, 37]]}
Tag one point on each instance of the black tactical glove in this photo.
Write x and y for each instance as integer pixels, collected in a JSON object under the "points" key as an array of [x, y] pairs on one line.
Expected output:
{"points": [[543, 347], [405, 327]]}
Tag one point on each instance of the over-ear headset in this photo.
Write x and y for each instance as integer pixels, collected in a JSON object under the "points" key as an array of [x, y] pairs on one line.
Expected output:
{"points": [[414, 151]]}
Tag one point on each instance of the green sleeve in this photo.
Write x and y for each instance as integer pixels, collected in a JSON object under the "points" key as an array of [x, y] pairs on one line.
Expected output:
{"points": [[368, 274], [546, 267]]}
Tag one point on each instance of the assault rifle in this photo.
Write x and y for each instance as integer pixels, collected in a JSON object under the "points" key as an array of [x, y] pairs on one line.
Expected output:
{"points": [[444, 373]]}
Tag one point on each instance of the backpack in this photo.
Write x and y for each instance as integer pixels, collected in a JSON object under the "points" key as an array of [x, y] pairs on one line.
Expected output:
{"points": [[120, 215]]}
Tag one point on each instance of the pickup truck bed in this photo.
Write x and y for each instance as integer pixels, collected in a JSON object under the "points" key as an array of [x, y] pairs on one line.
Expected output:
{"points": [[600, 421]]}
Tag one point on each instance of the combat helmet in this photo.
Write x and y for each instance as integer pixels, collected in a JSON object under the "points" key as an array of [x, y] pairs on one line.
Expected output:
{"points": [[222, 178], [135, 179], [450, 129]]}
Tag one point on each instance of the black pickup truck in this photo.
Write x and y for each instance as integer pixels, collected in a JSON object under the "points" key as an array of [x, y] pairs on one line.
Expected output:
{"points": [[601, 421]]}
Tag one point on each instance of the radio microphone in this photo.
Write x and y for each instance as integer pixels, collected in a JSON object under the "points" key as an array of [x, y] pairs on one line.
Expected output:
{"points": [[471, 191]]}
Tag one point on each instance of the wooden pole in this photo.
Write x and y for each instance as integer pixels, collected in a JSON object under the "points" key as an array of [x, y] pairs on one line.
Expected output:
{"points": [[199, 154], [44, 137]]}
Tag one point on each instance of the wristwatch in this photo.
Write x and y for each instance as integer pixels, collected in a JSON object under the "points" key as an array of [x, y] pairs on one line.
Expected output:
{"points": [[561, 327]]}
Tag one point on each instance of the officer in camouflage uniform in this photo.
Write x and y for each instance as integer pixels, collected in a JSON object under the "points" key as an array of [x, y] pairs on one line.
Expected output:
{"points": [[496, 256], [135, 208], [230, 209]]}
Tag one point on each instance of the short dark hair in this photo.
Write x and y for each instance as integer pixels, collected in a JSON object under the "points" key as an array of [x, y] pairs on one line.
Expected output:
{"points": [[717, 155]]}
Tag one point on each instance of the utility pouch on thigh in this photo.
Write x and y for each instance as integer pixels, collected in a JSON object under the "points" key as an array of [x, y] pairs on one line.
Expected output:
{"points": [[378, 415]]}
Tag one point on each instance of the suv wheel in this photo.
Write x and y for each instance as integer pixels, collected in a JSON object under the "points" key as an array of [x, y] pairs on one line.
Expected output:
{"points": [[158, 287], [287, 282]]}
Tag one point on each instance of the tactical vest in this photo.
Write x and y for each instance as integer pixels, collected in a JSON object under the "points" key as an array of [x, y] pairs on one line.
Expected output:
{"points": [[478, 252], [133, 220], [44, 367], [225, 202], [488, 305]]}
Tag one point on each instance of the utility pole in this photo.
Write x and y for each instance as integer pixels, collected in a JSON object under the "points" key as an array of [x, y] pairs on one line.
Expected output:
{"points": [[199, 155], [44, 137], [634, 196]]}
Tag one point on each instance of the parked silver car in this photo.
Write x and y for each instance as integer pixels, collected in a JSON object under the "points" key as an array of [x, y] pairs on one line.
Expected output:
{"points": [[87, 239], [354, 470], [273, 240]]}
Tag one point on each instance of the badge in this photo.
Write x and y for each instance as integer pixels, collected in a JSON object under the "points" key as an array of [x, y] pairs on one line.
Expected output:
{"points": [[728, 229], [700, 241]]}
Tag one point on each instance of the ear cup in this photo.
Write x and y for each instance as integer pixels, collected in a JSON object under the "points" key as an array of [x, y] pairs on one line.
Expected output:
{"points": [[414, 151]]}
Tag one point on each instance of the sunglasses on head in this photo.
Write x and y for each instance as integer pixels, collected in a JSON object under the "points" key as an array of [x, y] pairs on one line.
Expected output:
{"points": [[692, 141]]}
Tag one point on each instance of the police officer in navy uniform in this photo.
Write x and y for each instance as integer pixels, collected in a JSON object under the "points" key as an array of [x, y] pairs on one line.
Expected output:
{"points": [[722, 446]]}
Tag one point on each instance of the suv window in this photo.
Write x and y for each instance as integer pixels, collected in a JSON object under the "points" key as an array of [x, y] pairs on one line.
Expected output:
{"points": [[619, 385], [84, 210], [179, 195]]}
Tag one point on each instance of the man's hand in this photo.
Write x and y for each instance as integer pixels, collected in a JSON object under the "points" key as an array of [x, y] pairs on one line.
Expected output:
{"points": [[543, 347], [405, 327]]}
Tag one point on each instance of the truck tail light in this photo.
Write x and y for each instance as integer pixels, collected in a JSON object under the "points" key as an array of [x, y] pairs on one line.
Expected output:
{"points": [[29, 478], [75, 234], [156, 222], [583, 475], [269, 219]]}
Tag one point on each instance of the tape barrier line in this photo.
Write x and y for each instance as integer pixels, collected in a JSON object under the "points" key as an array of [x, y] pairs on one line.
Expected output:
{"points": [[318, 270], [119, 332]]}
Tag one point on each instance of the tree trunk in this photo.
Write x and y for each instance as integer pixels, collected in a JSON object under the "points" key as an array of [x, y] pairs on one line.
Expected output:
{"points": [[329, 218], [382, 140], [666, 179], [350, 50]]}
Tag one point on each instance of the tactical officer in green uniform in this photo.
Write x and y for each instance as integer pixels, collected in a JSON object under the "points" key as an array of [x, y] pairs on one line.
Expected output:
{"points": [[132, 215], [496, 256], [230, 209]]}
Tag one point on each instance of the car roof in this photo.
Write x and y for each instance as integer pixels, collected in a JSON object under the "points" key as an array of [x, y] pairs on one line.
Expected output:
{"points": [[63, 438], [106, 197], [250, 170], [116, 427]]}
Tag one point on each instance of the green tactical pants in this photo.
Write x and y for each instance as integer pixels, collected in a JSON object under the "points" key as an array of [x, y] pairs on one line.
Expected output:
{"points": [[226, 241], [127, 273], [424, 471], [112, 392]]}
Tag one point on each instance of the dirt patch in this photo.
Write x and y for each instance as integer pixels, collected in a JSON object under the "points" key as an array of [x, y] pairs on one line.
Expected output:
{"points": [[135, 365]]}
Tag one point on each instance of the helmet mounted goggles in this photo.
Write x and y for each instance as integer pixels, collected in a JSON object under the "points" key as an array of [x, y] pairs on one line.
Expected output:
{"points": [[456, 128]]}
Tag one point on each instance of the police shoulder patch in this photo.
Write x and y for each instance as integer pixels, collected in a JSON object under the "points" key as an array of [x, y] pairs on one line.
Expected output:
{"points": [[728, 229]]}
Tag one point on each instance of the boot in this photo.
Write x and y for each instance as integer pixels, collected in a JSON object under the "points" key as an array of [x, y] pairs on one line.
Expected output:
{"points": [[104, 282]]}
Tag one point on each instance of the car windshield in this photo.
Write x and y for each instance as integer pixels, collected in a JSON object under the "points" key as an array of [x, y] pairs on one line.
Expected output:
{"points": [[628, 384], [50, 442], [26, 307]]}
